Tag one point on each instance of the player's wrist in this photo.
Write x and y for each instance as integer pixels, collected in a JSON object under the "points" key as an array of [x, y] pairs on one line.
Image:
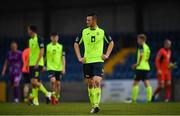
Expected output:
{"points": [[44, 67], [137, 64], [107, 55], [79, 57]]}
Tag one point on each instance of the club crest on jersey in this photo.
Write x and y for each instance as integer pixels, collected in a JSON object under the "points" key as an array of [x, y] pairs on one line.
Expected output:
{"points": [[97, 33]]}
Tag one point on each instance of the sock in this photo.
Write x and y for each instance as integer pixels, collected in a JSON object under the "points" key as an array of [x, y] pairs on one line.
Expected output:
{"points": [[43, 89], [91, 96], [97, 96], [168, 91], [16, 92], [135, 91], [35, 96], [158, 89], [58, 97], [34, 93], [149, 93]]}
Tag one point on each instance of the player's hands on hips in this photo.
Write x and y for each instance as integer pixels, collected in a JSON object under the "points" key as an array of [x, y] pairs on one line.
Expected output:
{"points": [[82, 60], [134, 66], [105, 57]]}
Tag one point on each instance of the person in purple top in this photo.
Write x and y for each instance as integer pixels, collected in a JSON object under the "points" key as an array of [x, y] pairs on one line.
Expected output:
{"points": [[14, 63]]}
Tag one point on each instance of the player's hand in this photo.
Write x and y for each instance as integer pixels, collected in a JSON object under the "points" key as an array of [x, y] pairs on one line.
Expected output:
{"points": [[134, 66], [105, 57], [44, 69], [82, 60], [17, 65], [3, 73], [172, 66], [63, 71], [159, 72], [27, 67], [36, 66]]}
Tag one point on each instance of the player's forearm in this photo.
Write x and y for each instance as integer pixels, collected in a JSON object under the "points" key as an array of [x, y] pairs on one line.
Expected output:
{"points": [[110, 48], [45, 61], [77, 50], [64, 62], [140, 59], [5, 66], [157, 63], [27, 63], [23, 59], [40, 56]]}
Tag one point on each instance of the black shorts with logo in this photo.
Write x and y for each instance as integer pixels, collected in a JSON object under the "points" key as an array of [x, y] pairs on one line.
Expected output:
{"points": [[141, 75], [26, 78], [35, 72], [56, 74], [93, 69]]}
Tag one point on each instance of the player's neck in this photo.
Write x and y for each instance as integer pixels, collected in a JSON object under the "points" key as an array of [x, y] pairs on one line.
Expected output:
{"points": [[33, 35], [14, 51], [142, 44], [54, 43], [93, 27], [166, 48]]}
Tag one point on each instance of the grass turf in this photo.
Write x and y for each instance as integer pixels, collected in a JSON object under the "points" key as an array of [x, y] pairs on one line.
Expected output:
{"points": [[84, 109]]}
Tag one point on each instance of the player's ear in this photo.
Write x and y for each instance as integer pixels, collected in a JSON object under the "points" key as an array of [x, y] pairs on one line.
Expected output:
{"points": [[51, 38]]}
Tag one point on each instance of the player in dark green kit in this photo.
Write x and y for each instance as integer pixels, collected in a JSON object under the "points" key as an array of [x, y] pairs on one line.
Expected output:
{"points": [[93, 38]]}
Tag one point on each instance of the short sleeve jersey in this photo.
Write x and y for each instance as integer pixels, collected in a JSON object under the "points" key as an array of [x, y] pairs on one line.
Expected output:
{"points": [[93, 40], [35, 44], [145, 51], [54, 57], [163, 59], [14, 61]]}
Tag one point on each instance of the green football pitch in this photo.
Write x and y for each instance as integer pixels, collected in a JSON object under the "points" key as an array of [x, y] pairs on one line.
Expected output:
{"points": [[84, 109]]}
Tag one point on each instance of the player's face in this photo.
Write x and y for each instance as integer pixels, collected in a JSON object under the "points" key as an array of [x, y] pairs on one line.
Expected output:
{"points": [[167, 44], [14, 46], [54, 39], [140, 41], [29, 31], [90, 21]]}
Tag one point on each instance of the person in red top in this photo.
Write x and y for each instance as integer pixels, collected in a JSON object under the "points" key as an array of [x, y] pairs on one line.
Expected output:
{"points": [[25, 71], [162, 63]]}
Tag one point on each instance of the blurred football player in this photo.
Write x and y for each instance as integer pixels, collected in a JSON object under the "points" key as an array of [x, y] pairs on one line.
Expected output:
{"points": [[36, 64], [55, 58], [13, 61], [142, 68], [164, 66], [25, 73]]}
